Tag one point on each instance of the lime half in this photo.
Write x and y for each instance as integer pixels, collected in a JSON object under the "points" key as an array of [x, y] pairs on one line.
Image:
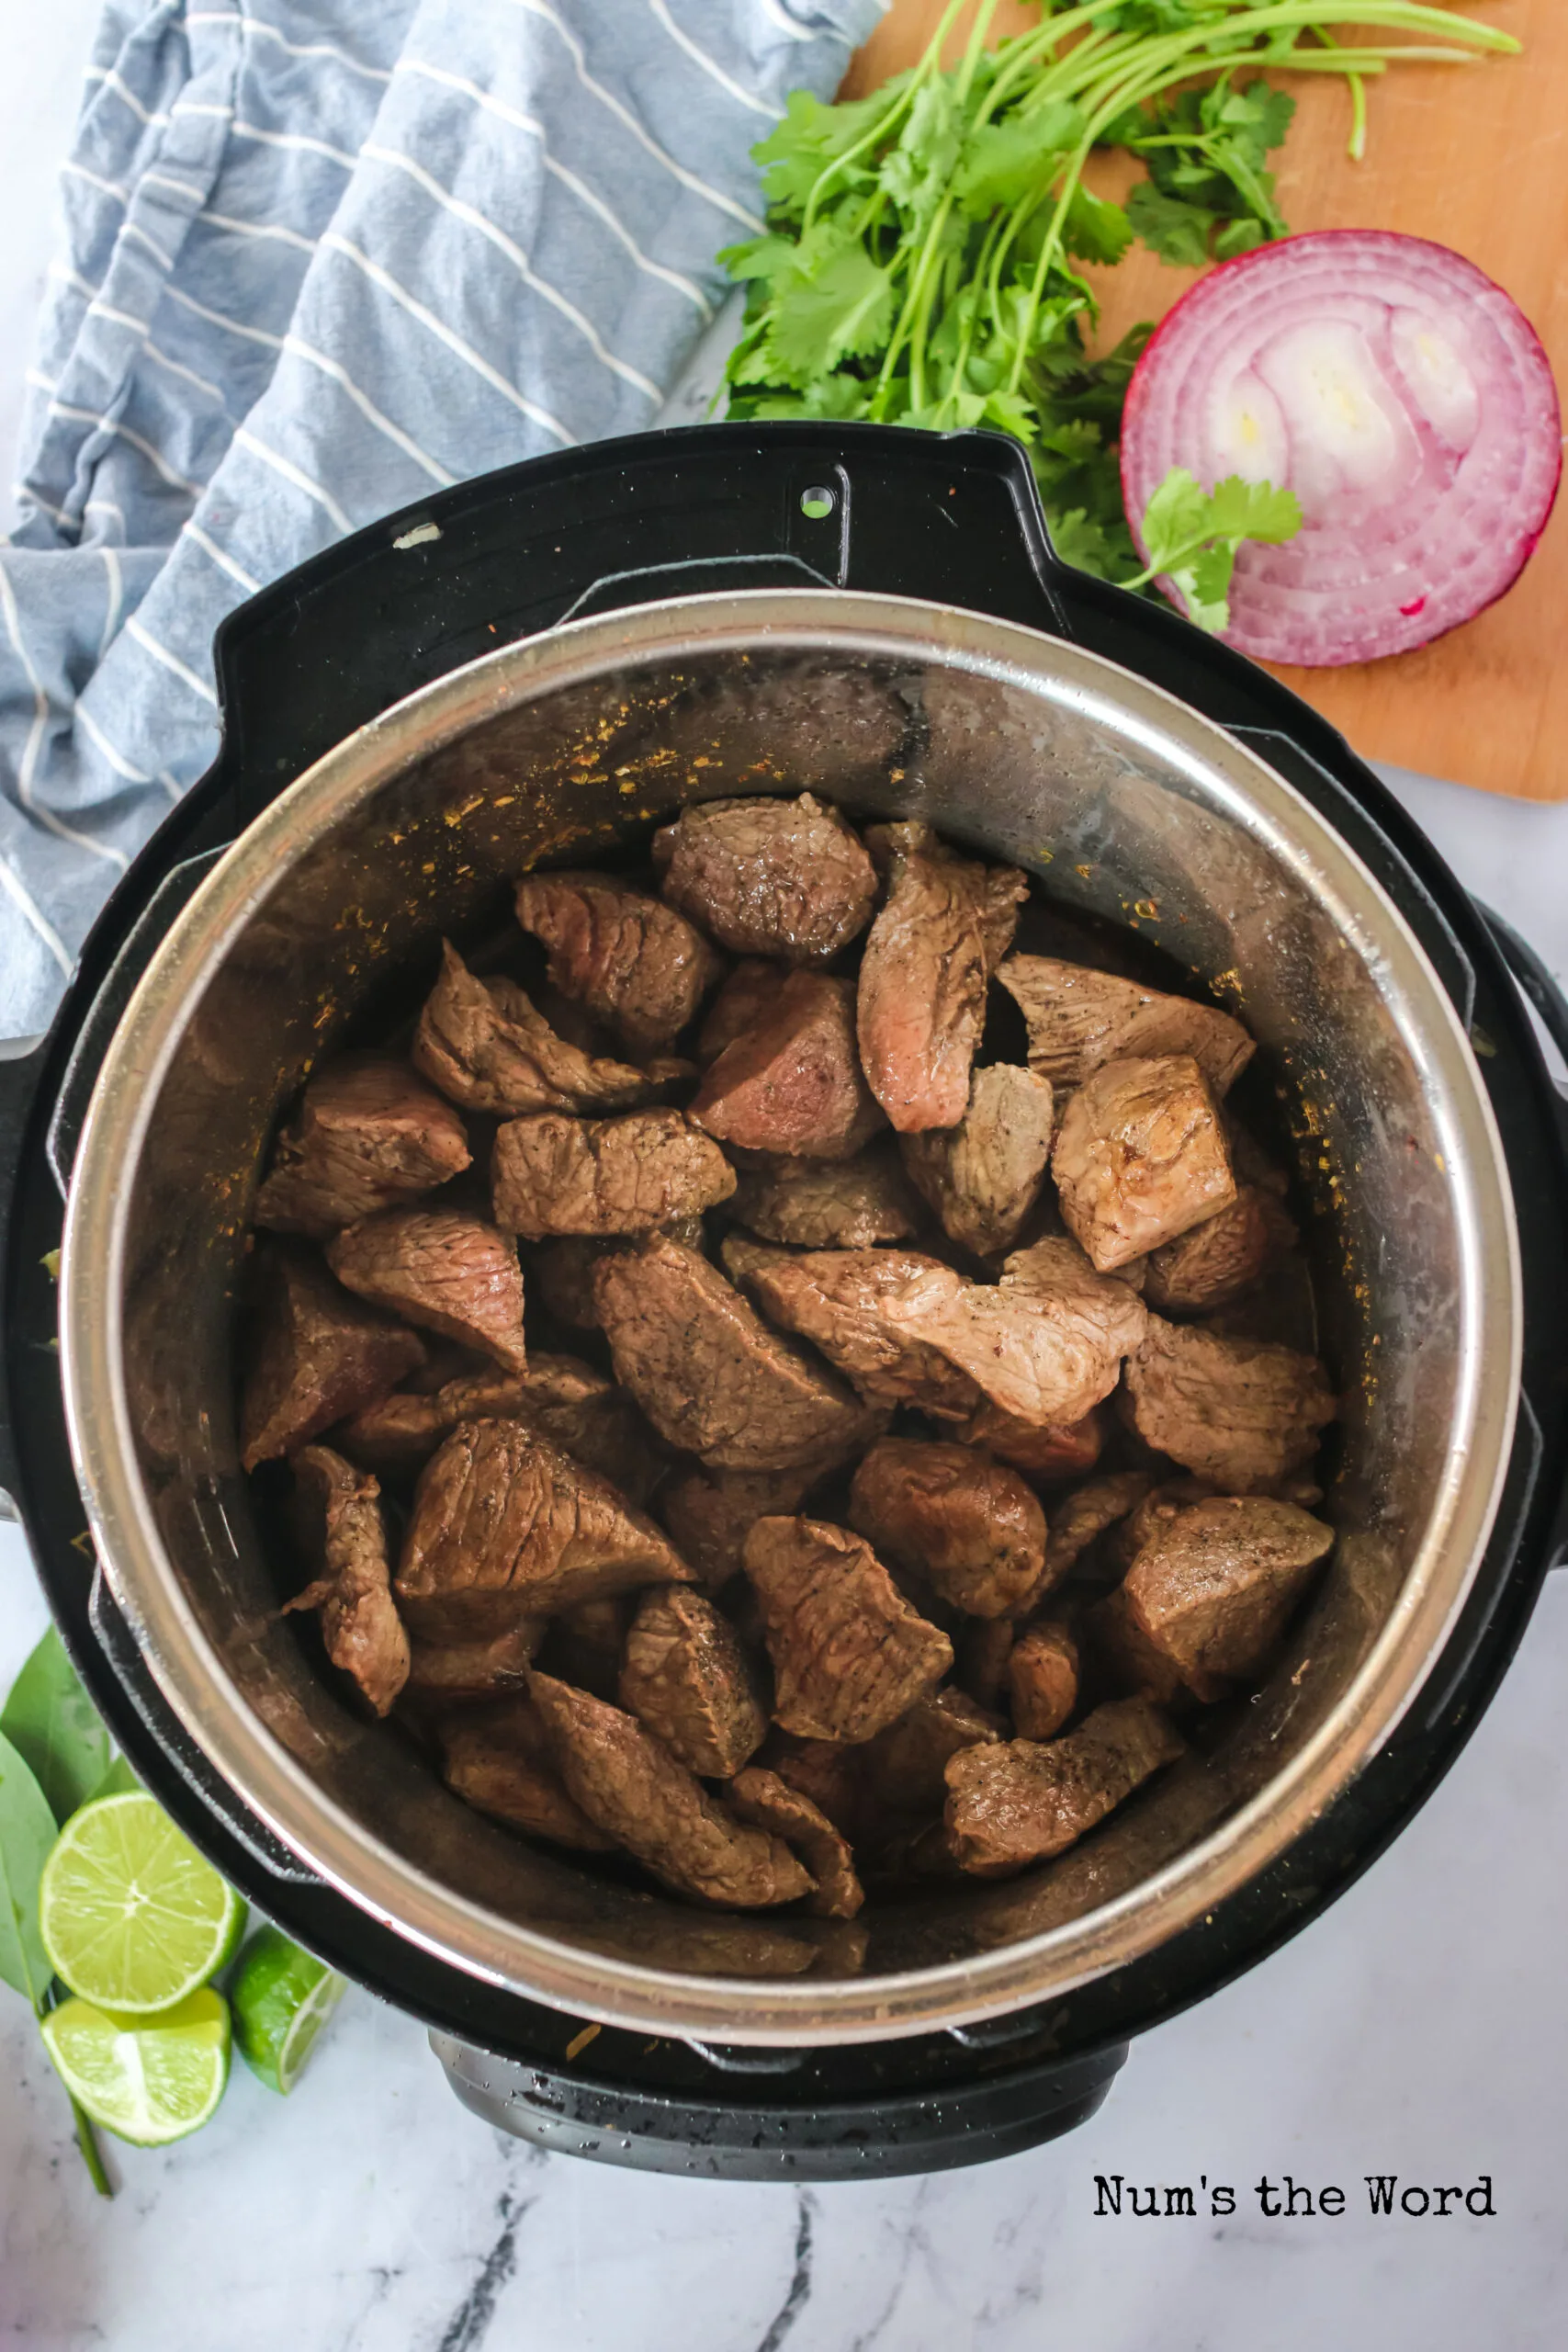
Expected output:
{"points": [[150, 2080], [133, 1918], [282, 1997]]}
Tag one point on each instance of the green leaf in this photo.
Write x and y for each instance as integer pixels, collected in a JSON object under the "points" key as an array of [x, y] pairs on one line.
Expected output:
{"points": [[1005, 162], [1178, 231], [1239, 237], [760, 258], [52, 1724], [842, 310], [1097, 547], [120, 1780], [27, 1833], [916, 171], [796, 151], [1192, 535], [1094, 228]]}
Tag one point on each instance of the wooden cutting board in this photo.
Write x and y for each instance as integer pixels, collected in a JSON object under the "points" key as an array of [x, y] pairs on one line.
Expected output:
{"points": [[1475, 156]]}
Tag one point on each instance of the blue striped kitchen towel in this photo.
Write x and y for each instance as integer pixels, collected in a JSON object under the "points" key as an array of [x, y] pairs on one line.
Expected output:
{"points": [[317, 259]]}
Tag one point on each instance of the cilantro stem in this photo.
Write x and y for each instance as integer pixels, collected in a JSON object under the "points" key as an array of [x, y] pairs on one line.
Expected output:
{"points": [[92, 2154]]}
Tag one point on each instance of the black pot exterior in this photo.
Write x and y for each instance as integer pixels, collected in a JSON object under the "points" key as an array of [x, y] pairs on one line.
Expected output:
{"points": [[953, 518]]}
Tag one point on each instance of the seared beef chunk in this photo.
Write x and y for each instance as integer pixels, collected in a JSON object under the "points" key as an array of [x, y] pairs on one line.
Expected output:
{"points": [[711, 1378], [1043, 1680], [485, 1045], [1046, 1451], [460, 1673], [1238, 1411], [1029, 1800], [710, 1513], [1045, 1343], [345, 1529], [1213, 1264], [985, 1646], [635, 964], [903, 1769], [792, 1083], [816, 1204], [842, 1301], [585, 1644], [849, 1653], [738, 1006], [1153, 1516], [498, 1759], [769, 1802], [1140, 1156], [768, 877], [441, 1269], [560, 1277], [947, 923], [631, 1787], [829, 1774], [984, 1176], [1078, 1019], [506, 1525], [315, 1355], [1122, 1658], [1082, 1517], [367, 1135], [1214, 1591], [684, 1674], [970, 1527], [576, 1407], [552, 1174]]}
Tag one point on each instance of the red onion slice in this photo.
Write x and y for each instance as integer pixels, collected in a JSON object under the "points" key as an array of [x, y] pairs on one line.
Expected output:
{"points": [[1402, 396]]}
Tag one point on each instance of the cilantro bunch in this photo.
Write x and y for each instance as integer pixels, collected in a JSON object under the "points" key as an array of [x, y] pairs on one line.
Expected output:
{"points": [[925, 248]]}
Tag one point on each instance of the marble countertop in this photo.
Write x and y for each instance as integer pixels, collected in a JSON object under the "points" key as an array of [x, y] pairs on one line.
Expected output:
{"points": [[1421, 2029]]}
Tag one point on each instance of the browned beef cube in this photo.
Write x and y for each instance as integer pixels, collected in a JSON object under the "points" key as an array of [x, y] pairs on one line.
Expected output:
{"points": [[1238, 1411], [842, 1300], [1043, 1680], [1026, 1800], [498, 1759], [340, 1509], [315, 1355], [552, 1174], [1079, 1519], [1046, 1451], [710, 1513], [486, 1046], [1140, 1156], [631, 1787], [635, 964], [1046, 1343], [684, 1674], [829, 1774], [737, 1007], [397, 1434], [970, 1527], [1121, 1657], [1214, 1591], [821, 1204], [947, 923], [1078, 1019], [506, 1525], [560, 1276], [441, 1269], [903, 1769], [712, 1378], [793, 1082], [368, 1134], [849, 1653], [1153, 1516], [768, 877], [571, 1403], [769, 1802], [985, 1646], [984, 1176], [448, 1674], [1213, 1264]]}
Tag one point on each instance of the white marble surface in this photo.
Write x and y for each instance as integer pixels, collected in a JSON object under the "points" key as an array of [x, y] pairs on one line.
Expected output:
{"points": [[1420, 2027]]}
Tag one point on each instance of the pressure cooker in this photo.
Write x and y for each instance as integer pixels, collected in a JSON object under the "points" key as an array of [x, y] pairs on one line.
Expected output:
{"points": [[542, 666]]}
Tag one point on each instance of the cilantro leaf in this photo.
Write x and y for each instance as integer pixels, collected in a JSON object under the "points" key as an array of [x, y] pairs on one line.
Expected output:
{"points": [[1004, 164], [1171, 226], [841, 309], [1095, 229], [917, 173], [812, 135], [1191, 535]]}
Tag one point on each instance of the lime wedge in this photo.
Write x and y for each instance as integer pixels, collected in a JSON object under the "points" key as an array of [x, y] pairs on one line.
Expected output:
{"points": [[150, 2080], [282, 1997], [132, 1917]]}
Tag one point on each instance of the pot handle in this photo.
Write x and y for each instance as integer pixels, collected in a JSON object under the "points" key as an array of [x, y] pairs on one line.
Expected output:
{"points": [[1539, 985]]}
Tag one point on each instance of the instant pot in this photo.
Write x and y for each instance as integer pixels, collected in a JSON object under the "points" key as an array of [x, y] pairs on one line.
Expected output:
{"points": [[540, 667]]}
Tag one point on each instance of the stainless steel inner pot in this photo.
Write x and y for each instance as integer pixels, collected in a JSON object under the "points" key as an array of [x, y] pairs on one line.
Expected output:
{"points": [[557, 749]]}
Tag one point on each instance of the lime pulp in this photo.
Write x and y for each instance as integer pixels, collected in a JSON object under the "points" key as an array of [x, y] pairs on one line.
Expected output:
{"points": [[132, 1918], [282, 1997], [149, 2080]]}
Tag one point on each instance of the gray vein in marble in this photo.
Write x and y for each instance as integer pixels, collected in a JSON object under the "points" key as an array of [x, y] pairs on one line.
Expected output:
{"points": [[470, 2324], [799, 2292]]}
